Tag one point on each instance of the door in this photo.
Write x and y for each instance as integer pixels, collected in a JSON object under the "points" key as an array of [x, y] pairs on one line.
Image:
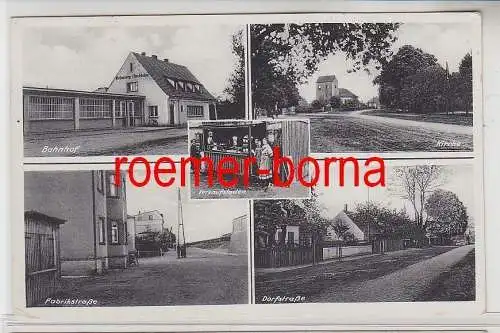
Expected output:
{"points": [[171, 115], [212, 114], [130, 113]]}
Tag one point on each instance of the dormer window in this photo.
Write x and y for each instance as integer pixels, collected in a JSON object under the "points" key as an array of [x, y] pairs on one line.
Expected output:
{"points": [[131, 67], [189, 87], [197, 87], [172, 82], [180, 85]]}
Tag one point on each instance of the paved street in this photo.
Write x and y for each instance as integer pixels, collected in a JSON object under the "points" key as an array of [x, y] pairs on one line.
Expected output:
{"points": [[133, 141], [395, 276], [204, 277], [357, 132]]}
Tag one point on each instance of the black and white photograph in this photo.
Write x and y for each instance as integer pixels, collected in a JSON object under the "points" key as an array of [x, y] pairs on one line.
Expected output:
{"points": [[106, 88], [370, 87], [90, 242], [410, 241], [245, 159]]}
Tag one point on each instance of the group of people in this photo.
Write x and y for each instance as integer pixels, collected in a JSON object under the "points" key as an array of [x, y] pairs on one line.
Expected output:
{"points": [[260, 148]]}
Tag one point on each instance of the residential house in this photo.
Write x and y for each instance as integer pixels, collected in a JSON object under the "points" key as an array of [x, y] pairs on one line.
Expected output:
{"points": [[361, 230], [149, 221], [374, 103], [94, 235], [346, 96]]}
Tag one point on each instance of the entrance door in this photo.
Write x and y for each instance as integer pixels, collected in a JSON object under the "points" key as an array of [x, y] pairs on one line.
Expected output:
{"points": [[212, 115], [171, 114], [130, 113]]}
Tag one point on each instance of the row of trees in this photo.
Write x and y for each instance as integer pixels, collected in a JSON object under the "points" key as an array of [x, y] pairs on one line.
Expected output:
{"points": [[155, 241], [413, 80], [437, 213]]}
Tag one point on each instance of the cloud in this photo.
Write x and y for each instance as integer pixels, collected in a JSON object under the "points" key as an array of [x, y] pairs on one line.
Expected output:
{"points": [[86, 58]]}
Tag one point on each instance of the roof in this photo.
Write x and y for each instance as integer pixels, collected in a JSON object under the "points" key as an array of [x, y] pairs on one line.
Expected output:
{"points": [[364, 225], [326, 78], [373, 100], [68, 92], [346, 93], [37, 216], [160, 70]]}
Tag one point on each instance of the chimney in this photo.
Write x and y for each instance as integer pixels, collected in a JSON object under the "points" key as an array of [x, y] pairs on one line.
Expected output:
{"points": [[143, 53], [166, 59], [154, 56], [345, 208]]}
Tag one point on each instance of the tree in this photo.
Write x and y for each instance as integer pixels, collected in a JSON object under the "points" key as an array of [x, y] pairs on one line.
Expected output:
{"points": [[424, 91], [415, 183], [446, 214], [465, 73], [341, 229], [405, 63], [335, 102], [316, 104], [284, 55], [234, 105]]}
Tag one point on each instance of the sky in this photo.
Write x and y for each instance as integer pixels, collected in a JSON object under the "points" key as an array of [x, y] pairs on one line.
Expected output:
{"points": [[85, 58], [457, 178], [447, 41], [203, 219]]}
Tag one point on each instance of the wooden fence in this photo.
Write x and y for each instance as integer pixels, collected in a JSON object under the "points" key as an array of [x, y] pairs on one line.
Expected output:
{"points": [[387, 245], [42, 257], [287, 256]]}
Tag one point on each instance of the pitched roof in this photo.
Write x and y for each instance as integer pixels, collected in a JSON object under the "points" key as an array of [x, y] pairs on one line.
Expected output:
{"points": [[326, 78], [161, 71], [364, 225], [346, 93]]}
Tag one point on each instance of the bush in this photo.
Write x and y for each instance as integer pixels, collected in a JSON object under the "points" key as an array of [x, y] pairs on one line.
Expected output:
{"points": [[317, 104]]}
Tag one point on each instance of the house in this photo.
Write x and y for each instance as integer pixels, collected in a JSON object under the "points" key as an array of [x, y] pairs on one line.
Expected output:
{"points": [[361, 230], [238, 242], [145, 91], [346, 96], [149, 221], [326, 87], [94, 235], [291, 235], [374, 103]]}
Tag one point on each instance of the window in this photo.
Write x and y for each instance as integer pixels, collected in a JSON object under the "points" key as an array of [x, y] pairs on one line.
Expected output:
{"points": [[291, 237], [180, 85], [197, 87], [113, 189], [114, 232], [319, 87], [102, 230], [150, 217], [153, 111], [189, 87], [195, 111], [131, 67], [172, 82], [120, 109], [100, 181], [93, 108], [46, 107], [132, 87]]}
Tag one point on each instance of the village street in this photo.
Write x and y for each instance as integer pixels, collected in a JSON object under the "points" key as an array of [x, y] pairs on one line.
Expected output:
{"points": [[360, 132], [204, 277], [397, 276], [132, 141]]}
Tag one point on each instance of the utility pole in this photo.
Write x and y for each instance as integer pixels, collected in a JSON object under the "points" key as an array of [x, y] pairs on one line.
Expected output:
{"points": [[181, 249]]}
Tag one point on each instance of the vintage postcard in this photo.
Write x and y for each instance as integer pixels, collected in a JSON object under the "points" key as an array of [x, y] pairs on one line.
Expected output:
{"points": [[249, 159], [247, 169]]}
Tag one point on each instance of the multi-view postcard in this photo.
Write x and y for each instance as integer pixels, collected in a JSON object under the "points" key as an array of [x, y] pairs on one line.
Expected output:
{"points": [[245, 162]]}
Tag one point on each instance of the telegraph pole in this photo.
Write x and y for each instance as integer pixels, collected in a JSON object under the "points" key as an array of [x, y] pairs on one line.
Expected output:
{"points": [[181, 249]]}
